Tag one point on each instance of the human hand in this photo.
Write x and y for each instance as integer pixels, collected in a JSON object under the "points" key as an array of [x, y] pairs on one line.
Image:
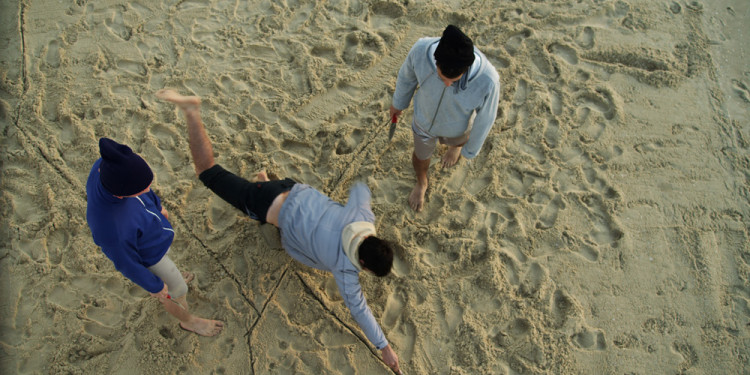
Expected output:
{"points": [[394, 112], [163, 294], [164, 212], [390, 358]]}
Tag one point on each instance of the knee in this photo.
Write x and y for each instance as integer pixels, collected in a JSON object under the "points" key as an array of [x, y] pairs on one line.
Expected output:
{"points": [[179, 291]]}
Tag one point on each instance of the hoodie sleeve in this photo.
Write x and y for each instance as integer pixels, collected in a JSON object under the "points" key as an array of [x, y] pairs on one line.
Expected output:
{"points": [[406, 82], [483, 122], [359, 196], [351, 291], [128, 262]]}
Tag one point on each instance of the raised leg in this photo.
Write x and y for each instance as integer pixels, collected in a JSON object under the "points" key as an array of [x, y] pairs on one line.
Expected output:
{"points": [[200, 144]]}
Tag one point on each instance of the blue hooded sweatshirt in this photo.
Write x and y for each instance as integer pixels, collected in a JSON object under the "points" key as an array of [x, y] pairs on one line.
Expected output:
{"points": [[132, 232], [311, 226], [442, 111]]}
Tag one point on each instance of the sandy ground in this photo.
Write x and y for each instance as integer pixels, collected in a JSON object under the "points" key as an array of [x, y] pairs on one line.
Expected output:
{"points": [[603, 229]]}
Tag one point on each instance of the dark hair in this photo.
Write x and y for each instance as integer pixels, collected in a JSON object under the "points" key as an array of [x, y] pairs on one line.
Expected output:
{"points": [[377, 255], [454, 53]]}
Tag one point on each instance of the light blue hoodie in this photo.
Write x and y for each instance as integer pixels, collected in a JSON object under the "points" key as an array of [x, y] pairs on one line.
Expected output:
{"points": [[443, 111], [311, 226]]}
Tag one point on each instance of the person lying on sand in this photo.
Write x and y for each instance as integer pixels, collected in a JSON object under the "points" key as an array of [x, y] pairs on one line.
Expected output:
{"points": [[456, 103], [129, 223], [315, 230]]}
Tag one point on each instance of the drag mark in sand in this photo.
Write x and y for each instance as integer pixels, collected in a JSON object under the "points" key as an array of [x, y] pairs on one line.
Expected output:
{"points": [[216, 257], [62, 172], [249, 333], [354, 331], [22, 28]]}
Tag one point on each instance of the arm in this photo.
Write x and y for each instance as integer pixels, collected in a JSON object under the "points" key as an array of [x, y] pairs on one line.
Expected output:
{"points": [[359, 197], [351, 291], [354, 299], [127, 261], [486, 115], [406, 84]]}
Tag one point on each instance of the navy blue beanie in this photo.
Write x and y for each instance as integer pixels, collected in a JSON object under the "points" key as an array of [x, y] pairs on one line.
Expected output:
{"points": [[455, 52], [122, 171]]}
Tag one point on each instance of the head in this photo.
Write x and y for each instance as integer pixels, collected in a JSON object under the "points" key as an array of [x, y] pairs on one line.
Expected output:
{"points": [[376, 255], [454, 53], [122, 172]]}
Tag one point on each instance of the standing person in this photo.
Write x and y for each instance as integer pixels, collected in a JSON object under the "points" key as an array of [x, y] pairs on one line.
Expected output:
{"points": [[456, 91], [129, 223], [315, 230]]}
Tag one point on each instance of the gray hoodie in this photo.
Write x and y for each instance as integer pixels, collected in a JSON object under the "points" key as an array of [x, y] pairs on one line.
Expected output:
{"points": [[311, 232], [443, 111]]}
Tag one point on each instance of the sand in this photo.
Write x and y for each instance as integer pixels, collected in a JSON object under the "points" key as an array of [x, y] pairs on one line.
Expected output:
{"points": [[603, 228]]}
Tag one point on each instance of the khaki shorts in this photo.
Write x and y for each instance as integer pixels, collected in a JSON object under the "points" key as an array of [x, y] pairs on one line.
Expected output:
{"points": [[167, 271], [424, 144]]}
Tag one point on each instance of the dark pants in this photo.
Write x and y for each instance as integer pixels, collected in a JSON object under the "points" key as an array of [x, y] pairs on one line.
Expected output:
{"points": [[252, 198]]}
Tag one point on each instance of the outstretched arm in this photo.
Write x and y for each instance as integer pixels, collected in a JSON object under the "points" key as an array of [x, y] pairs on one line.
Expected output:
{"points": [[351, 291], [200, 144]]}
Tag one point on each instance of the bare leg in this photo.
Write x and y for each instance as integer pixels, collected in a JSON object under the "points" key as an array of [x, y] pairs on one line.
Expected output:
{"points": [[200, 144], [416, 198], [451, 156]]}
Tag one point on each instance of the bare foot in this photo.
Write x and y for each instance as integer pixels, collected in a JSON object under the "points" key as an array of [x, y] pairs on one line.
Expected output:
{"points": [[188, 277], [185, 103], [416, 198], [261, 177], [451, 156], [203, 327]]}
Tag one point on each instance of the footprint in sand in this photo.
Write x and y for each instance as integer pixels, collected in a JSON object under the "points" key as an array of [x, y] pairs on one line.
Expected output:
{"points": [[548, 217], [568, 54], [519, 327], [515, 41], [133, 67], [492, 221], [541, 59], [687, 353], [741, 89], [52, 57], [552, 133], [601, 101], [563, 307], [585, 37], [555, 102], [510, 268], [116, 26], [584, 248], [393, 309], [533, 281], [590, 339], [531, 148], [363, 49], [220, 217]]}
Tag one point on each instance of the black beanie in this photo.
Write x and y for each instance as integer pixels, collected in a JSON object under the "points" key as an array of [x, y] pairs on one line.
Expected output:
{"points": [[122, 171], [455, 52]]}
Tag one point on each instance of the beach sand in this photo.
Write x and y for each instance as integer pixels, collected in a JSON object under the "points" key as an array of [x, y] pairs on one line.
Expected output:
{"points": [[603, 228]]}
